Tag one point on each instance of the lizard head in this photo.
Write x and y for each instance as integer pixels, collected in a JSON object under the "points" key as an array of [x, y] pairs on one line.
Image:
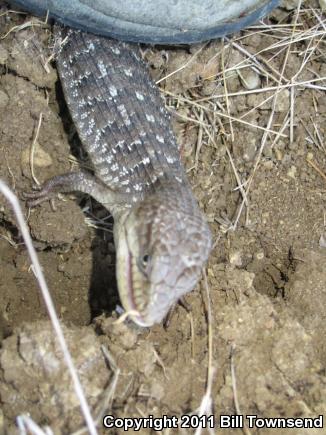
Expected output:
{"points": [[160, 254]]}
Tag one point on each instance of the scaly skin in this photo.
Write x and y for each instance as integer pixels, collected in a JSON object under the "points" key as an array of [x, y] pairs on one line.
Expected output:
{"points": [[161, 236]]}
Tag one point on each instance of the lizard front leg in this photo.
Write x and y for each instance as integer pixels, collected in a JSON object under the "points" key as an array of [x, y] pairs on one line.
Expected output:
{"points": [[81, 181]]}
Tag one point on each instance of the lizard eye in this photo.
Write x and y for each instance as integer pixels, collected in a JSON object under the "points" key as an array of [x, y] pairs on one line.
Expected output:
{"points": [[144, 263], [145, 260]]}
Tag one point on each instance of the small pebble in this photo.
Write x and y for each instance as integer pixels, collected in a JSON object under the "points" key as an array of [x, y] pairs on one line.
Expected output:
{"points": [[235, 258], [278, 154], [260, 255], [283, 101], [4, 99], [61, 268], [292, 172], [3, 55], [310, 156], [208, 88], [322, 241], [249, 78], [41, 158], [268, 164]]}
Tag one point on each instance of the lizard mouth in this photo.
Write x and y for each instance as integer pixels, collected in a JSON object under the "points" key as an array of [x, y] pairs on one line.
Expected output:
{"points": [[128, 291], [136, 316]]}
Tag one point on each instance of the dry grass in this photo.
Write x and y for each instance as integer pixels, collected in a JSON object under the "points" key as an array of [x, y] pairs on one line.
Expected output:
{"points": [[302, 38]]}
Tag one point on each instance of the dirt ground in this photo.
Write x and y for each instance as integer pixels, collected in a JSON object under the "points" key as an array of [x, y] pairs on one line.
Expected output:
{"points": [[249, 113]]}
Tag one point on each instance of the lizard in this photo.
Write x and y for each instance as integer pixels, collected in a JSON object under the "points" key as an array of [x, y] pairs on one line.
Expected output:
{"points": [[161, 236]]}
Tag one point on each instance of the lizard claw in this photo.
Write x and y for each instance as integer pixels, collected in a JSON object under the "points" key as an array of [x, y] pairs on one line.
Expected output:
{"points": [[38, 196]]}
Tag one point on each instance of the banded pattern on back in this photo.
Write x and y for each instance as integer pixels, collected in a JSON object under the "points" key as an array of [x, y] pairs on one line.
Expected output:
{"points": [[118, 112]]}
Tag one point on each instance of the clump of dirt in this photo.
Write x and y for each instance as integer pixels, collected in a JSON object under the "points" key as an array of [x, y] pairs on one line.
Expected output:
{"points": [[249, 114], [34, 371], [307, 302]]}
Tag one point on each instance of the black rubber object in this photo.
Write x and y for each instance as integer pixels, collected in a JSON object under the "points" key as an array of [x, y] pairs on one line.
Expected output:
{"points": [[154, 21]]}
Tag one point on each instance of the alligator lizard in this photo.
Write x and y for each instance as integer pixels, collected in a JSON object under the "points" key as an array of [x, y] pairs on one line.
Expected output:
{"points": [[161, 236]]}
